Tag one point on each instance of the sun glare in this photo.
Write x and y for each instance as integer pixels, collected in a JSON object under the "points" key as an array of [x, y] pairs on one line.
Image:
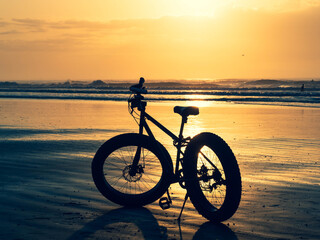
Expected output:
{"points": [[200, 103], [195, 8]]}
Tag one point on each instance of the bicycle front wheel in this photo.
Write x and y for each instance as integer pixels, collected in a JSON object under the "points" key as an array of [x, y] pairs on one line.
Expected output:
{"points": [[124, 183], [212, 177]]}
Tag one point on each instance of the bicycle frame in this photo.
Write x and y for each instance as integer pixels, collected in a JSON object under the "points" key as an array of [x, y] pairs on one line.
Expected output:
{"points": [[178, 141], [118, 171]]}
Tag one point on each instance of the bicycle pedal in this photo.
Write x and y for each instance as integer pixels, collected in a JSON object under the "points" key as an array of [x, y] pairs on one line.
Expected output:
{"points": [[164, 203]]}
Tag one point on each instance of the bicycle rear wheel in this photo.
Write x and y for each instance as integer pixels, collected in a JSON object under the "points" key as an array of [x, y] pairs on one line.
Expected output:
{"points": [[119, 181], [212, 177]]}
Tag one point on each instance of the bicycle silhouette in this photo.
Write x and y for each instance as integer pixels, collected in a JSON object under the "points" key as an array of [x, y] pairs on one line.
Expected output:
{"points": [[134, 169]]}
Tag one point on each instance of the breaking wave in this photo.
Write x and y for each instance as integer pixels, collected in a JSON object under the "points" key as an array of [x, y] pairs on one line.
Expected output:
{"points": [[252, 92]]}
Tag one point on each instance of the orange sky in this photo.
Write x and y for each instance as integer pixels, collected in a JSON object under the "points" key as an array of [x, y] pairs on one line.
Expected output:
{"points": [[168, 39]]}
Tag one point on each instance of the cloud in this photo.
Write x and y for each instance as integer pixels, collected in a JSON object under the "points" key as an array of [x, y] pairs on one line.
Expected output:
{"points": [[29, 22], [10, 32], [70, 24], [3, 23], [262, 36], [62, 44], [275, 5]]}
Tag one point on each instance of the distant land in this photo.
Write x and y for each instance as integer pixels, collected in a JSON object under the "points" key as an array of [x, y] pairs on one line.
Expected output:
{"points": [[172, 84]]}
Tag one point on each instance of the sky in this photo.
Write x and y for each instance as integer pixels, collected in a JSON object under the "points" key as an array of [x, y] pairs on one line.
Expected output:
{"points": [[167, 39]]}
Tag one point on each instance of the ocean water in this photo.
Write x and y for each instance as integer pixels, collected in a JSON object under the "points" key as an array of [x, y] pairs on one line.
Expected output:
{"points": [[274, 92]]}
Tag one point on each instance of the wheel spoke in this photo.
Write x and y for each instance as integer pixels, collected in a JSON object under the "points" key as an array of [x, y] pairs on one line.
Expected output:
{"points": [[119, 163], [211, 176]]}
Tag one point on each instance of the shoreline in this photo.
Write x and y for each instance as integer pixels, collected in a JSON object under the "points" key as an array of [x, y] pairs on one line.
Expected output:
{"points": [[171, 102]]}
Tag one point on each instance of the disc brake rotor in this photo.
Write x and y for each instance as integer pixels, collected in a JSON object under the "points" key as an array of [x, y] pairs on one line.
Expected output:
{"points": [[132, 175]]}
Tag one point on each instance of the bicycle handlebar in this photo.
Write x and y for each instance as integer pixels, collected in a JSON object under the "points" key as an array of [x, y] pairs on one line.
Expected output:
{"points": [[139, 88]]}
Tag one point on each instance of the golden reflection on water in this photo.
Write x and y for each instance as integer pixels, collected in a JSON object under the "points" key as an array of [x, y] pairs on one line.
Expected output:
{"points": [[198, 102], [289, 134]]}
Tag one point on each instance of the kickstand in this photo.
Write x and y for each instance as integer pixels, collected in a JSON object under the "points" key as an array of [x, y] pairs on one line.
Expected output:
{"points": [[185, 199], [180, 232]]}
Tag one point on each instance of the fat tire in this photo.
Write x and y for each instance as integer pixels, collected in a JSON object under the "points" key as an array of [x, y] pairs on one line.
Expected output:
{"points": [[231, 171], [124, 140]]}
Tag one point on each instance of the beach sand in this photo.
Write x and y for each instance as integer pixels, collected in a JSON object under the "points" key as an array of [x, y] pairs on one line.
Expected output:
{"points": [[46, 148]]}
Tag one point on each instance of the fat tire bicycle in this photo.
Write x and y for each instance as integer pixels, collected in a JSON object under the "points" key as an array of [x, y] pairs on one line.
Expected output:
{"points": [[134, 169]]}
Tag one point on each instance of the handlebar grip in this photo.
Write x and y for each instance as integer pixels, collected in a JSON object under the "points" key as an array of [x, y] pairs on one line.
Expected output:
{"points": [[138, 90]]}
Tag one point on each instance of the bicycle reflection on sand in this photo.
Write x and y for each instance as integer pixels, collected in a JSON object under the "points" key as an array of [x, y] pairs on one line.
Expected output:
{"points": [[139, 223]]}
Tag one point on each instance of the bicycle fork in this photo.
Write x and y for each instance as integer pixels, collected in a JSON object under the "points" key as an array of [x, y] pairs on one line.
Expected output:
{"points": [[135, 168]]}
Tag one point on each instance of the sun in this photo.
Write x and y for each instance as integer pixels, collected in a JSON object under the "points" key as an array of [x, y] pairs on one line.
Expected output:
{"points": [[203, 8]]}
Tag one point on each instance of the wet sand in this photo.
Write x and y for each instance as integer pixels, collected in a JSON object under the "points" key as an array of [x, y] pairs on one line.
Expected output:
{"points": [[46, 148]]}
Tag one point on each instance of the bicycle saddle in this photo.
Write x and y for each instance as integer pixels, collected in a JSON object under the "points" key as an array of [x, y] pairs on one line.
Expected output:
{"points": [[186, 111]]}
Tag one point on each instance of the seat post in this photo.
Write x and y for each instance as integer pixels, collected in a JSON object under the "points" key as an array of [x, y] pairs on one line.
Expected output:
{"points": [[183, 121]]}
